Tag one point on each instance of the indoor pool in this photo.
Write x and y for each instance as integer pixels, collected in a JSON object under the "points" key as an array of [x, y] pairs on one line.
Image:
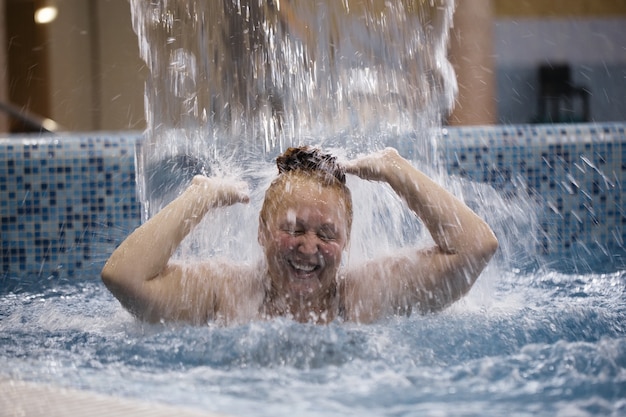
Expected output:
{"points": [[542, 333], [532, 338]]}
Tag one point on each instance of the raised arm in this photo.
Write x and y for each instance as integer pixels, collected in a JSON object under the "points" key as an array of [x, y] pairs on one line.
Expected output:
{"points": [[139, 272], [431, 278]]}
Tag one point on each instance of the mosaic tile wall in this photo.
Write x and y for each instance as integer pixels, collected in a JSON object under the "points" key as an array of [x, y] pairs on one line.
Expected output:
{"points": [[67, 201], [576, 174]]}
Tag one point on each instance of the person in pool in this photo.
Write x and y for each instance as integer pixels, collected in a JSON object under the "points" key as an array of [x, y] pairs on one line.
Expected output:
{"points": [[304, 228]]}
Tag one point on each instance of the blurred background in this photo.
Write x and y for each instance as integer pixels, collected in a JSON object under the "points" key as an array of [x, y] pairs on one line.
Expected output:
{"points": [[74, 64]]}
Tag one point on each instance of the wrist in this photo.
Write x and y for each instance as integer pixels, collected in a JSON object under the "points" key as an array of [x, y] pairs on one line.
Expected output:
{"points": [[199, 196]]}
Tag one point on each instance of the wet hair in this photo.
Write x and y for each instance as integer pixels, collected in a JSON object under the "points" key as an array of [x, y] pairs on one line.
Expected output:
{"points": [[311, 160], [315, 164]]}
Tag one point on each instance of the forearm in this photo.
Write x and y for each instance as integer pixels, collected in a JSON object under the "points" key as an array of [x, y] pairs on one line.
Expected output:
{"points": [[454, 226], [146, 251]]}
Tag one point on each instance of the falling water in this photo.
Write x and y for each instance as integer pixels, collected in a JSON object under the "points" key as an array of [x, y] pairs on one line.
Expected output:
{"points": [[244, 79]]}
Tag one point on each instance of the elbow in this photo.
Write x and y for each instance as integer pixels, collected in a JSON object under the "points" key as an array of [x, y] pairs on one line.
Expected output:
{"points": [[112, 278], [463, 275], [478, 258], [489, 246], [484, 250], [108, 275], [118, 283]]}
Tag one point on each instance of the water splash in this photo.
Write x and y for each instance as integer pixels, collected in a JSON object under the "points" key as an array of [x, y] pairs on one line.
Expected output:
{"points": [[545, 344]]}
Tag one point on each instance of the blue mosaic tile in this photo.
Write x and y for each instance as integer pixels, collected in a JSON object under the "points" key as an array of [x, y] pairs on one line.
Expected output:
{"points": [[576, 172], [67, 201]]}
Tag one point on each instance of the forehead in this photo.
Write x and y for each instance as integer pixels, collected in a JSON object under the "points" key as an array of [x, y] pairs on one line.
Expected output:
{"points": [[301, 197]]}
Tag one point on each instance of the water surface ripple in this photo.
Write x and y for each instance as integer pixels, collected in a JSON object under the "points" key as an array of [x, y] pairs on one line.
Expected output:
{"points": [[544, 343]]}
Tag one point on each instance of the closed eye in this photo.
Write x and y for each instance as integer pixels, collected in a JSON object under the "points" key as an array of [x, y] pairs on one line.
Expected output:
{"points": [[292, 229], [327, 234]]}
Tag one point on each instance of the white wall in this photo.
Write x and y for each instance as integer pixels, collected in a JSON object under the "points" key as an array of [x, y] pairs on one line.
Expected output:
{"points": [[594, 47], [580, 41]]}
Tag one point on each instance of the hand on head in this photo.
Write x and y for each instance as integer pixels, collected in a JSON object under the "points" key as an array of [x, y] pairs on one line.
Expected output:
{"points": [[227, 192], [372, 167]]}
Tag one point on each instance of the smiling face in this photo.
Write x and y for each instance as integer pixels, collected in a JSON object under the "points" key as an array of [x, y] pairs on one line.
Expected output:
{"points": [[304, 229]]}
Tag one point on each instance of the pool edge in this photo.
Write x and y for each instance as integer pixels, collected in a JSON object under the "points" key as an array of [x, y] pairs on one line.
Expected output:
{"points": [[21, 398]]}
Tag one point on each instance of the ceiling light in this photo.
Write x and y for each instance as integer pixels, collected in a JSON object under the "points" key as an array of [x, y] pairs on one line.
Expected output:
{"points": [[46, 14]]}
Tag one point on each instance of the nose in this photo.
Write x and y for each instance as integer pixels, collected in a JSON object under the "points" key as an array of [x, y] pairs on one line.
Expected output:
{"points": [[308, 243]]}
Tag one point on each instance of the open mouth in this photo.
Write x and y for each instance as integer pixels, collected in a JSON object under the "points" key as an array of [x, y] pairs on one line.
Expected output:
{"points": [[304, 270]]}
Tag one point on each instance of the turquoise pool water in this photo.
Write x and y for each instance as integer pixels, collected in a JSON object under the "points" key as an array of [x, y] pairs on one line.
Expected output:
{"points": [[537, 343]]}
